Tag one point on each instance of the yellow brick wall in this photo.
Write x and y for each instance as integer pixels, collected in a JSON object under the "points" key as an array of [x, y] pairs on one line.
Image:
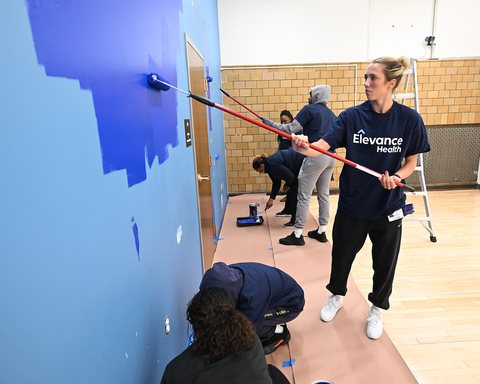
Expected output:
{"points": [[449, 93]]}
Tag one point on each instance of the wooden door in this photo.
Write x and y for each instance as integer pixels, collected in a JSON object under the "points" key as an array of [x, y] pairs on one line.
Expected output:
{"points": [[199, 126]]}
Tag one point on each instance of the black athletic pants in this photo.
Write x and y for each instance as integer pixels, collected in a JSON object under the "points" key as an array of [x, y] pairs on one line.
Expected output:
{"points": [[291, 203], [349, 235], [274, 317]]}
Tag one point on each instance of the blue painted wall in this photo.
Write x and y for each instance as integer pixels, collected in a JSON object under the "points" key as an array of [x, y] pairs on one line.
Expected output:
{"points": [[99, 227]]}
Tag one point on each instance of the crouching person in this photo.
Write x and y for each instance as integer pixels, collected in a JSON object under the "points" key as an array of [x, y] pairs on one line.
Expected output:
{"points": [[267, 296]]}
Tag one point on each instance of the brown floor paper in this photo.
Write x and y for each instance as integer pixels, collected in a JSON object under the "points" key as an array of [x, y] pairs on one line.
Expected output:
{"points": [[340, 350]]}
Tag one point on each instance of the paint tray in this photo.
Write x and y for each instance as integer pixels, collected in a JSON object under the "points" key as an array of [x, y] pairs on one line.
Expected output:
{"points": [[248, 221]]}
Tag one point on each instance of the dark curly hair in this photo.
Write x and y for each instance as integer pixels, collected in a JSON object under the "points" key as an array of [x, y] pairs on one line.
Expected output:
{"points": [[220, 330], [286, 113]]}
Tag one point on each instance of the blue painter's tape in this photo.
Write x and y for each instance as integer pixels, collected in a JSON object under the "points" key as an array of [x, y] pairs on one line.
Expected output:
{"points": [[270, 249], [288, 363]]}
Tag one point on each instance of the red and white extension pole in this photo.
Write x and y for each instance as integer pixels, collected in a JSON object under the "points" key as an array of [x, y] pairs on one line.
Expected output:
{"points": [[155, 79]]}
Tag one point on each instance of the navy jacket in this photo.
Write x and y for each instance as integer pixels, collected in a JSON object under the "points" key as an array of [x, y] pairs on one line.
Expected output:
{"points": [[264, 288], [283, 165]]}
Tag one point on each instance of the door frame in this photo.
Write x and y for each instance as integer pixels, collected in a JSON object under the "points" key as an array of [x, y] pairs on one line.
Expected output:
{"points": [[188, 41]]}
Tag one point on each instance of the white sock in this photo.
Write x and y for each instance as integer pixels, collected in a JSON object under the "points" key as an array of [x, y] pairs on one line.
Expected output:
{"points": [[279, 329], [298, 232], [321, 229]]}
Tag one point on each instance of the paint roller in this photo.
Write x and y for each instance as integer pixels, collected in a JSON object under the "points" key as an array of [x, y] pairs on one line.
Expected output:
{"points": [[157, 79], [210, 80], [158, 82]]}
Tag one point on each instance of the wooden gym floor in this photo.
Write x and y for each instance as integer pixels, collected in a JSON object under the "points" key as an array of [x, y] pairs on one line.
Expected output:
{"points": [[432, 330]]}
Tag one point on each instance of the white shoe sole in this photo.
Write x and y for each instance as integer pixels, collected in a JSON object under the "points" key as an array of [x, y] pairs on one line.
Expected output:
{"points": [[372, 336]]}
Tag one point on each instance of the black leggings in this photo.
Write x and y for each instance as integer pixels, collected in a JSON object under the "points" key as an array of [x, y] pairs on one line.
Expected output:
{"points": [[291, 203], [349, 235]]}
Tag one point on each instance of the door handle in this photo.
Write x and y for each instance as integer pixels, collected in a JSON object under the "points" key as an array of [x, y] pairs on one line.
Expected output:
{"points": [[200, 178]]}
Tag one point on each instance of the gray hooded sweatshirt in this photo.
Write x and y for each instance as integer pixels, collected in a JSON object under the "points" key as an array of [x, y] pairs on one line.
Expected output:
{"points": [[315, 119]]}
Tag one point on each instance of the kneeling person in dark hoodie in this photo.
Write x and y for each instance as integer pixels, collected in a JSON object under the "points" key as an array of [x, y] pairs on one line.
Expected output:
{"points": [[267, 296]]}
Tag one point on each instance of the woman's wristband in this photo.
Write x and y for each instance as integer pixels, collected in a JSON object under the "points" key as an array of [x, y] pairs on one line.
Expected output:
{"points": [[397, 176]]}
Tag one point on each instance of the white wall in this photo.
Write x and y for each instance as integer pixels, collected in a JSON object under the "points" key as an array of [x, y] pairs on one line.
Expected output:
{"points": [[263, 32], [458, 31]]}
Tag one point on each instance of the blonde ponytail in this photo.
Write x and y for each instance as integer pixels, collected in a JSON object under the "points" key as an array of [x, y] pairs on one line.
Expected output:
{"points": [[393, 68]]}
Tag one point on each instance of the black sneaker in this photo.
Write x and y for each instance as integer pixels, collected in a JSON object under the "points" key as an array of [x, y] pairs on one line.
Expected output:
{"points": [[322, 237], [283, 214], [290, 224], [292, 240], [277, 340]]}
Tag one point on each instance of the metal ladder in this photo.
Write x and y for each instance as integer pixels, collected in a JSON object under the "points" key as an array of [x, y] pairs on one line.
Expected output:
{"points": [[426, 221]]}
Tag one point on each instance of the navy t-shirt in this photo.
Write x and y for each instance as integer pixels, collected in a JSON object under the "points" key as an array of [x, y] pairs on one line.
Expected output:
{"points": [[379, 142], [316, 120], [286, 143]]}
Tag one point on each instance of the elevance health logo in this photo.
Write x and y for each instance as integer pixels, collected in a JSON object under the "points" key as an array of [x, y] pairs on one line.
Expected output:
{"points": [[384, 144]]}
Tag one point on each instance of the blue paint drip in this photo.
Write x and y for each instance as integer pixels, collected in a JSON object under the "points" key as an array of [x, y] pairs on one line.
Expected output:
{"points": [[137, 241], [112, 56]]}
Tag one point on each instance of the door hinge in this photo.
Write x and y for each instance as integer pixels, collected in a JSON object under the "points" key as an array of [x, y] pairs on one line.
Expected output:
{"points": [[210, 161], [214, 230]]}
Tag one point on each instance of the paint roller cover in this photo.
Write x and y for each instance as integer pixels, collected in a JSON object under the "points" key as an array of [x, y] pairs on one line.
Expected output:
{"points": [[152, 80]]}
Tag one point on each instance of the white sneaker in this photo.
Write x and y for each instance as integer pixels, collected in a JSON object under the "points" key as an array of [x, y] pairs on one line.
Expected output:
{"points": [[332, 305], [374, 327]]}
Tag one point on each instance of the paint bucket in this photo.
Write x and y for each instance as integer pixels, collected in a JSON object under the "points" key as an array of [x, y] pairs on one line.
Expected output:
{"points": [[254, 209]]}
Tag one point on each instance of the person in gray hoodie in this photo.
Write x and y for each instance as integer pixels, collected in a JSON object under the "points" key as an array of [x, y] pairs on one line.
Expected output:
{"points": [[315, 119]]}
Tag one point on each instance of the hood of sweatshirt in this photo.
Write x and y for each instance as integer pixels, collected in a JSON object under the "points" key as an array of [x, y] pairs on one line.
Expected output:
{"points": [[321, 94], [222, 276]]}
